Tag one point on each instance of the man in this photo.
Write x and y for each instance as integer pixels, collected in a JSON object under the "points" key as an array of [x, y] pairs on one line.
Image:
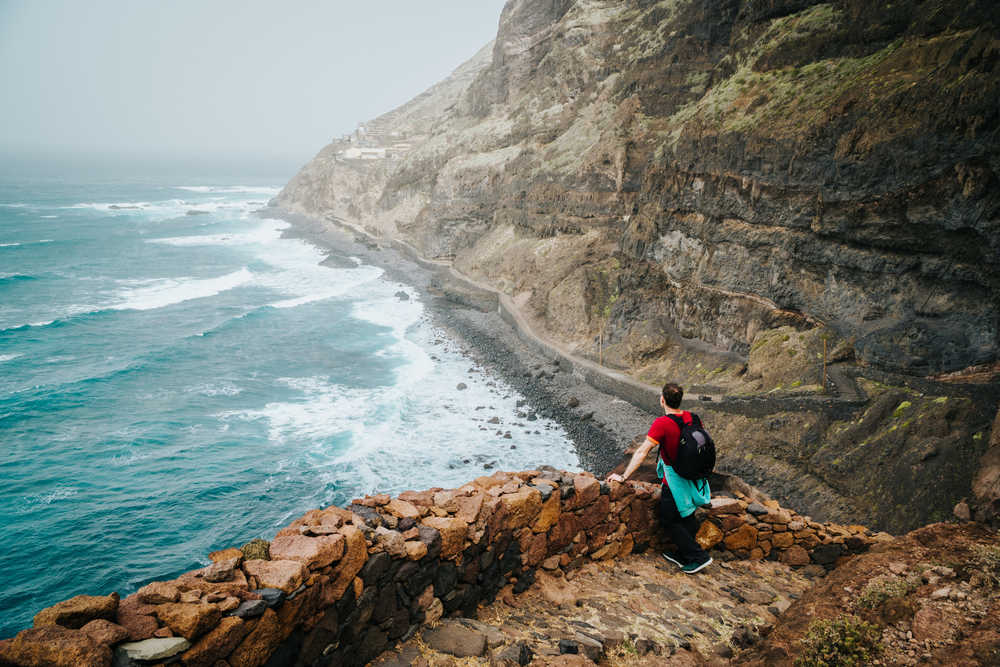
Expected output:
{"points": [[679, 497]]}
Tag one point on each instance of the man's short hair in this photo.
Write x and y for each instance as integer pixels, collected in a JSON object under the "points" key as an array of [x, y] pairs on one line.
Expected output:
{"points": [[672, 395]]}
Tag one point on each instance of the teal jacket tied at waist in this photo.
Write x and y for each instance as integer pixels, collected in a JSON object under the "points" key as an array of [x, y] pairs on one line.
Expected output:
{"points": [[688, 495]]}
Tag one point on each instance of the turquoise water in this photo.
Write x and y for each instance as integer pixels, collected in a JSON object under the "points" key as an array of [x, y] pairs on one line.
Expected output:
{"points": [[175, 383]]}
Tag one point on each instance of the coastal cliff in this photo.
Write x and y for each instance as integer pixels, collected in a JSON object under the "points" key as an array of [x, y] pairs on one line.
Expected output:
{"points": [[796, 199]]}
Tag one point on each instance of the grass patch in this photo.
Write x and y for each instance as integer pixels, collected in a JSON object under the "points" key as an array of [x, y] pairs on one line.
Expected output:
{"points": [[879, 590], [900, 409], [844, 641]]}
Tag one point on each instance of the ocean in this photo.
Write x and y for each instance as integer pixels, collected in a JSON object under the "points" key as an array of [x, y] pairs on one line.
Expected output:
{"points": [[176, 377]]}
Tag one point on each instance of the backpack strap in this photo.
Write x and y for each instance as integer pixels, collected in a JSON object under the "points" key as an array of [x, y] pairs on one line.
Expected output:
{"points": [[679, 420]]}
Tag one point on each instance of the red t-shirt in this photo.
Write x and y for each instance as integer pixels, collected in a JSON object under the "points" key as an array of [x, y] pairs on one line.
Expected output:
{"points": [[667, 434]]}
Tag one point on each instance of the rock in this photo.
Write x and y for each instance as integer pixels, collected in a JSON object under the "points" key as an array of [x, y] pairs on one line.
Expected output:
{"points": [[518, 653], [402, 296], [415, 550], [720, 506], [273, 597], [256, 549], [452, 532], [137, 617], [795, 555], [189, 620], [154, 649], [403, 509], [221, 570], [930, 624], [256, 648], [573, 402], [469, 507], [286, 575], [349, 565], [78, 611], [54, 646], [158, 592], [105, 632], [941, 593], [226, 554], [586, 489], [250, 609], [461, 386], [455, 639], [962, 511], [217, 644], [520, 508], [313, 552], [549, 513], [744, 537]]}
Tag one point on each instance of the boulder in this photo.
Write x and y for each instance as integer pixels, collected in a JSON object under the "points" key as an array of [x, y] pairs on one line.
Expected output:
{"points": [[402, 509], [520, 508], [314, 552], [355, 555], [189, 620], [795, 555], [255, 649], [744, 537], [708, 535], [216, 644], [78, 611], [285, 575], [54, 646], [456, 639], [137, 617], [586, 489], [106, 632], [453, 532], [226, 554], [159, 592], [221, 570], [153, 649]]}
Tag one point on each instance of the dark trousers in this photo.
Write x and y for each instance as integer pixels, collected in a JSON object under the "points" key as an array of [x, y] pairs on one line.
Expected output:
{"points": [[680, 530]]}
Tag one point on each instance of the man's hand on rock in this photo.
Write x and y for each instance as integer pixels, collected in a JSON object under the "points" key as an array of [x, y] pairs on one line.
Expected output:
{"points": [[615, 477]]}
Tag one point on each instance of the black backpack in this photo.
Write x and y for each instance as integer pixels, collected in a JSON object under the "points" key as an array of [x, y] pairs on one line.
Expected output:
{"points": [[695, 450]]}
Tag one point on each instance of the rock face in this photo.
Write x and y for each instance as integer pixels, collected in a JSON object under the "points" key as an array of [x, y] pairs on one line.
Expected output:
{"points": [[723, 194], [710, 170]]}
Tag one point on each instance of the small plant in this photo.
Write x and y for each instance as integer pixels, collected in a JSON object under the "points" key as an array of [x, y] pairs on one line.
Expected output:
{"points": [[880, 589], [986, 563], [845, 641]]}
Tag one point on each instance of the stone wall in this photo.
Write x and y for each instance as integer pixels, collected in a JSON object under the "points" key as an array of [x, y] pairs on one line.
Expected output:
{"points": [[340, 585]]}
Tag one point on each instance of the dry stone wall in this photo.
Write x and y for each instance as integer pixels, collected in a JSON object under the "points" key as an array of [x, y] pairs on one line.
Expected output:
{"points": [[340, 585]]}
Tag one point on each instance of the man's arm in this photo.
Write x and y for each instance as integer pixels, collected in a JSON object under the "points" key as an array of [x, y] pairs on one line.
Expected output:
{"points": [[637, 458]]}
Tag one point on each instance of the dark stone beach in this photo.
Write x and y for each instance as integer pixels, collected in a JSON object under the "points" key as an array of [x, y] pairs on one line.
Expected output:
{"points": [[601, 426]]}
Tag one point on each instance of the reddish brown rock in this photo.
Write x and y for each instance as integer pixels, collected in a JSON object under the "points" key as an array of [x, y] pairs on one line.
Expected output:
{"points": [[190, 596], [564, 531], [189, 620], [595, 512], [930, 623], [520, 508], [777, 516], [78, 611], [137, 617], [708, 535], [402, 509], [105, 632], [469, 507], [226, 554], [164, 633], [783, 540], [731, 522], [313, 552], [54, 646], [419, 498], [548, 515], [606, 552], [350, 564], [377, 500], [159, 592], [258, 646], [721, 506], [453, 532], [217, 644], [795, 555], [221, 570], [195, 580], [586, 489], [744, 537], [286, 575]]}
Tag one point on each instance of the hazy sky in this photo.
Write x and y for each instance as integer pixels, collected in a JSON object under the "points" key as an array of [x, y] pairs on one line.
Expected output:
{"points": [[191, 78]]}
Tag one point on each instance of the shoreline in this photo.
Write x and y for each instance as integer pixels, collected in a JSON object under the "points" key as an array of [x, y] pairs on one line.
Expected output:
{"points": [[600, 425]]}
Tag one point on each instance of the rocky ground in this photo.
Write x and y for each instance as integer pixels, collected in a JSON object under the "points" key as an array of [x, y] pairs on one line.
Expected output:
{"points": [[930, 596], [637, 611]]}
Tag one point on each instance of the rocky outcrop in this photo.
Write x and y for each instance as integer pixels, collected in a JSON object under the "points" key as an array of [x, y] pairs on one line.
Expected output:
{"points": [[351, 582], [712, 170], [725, 195]]}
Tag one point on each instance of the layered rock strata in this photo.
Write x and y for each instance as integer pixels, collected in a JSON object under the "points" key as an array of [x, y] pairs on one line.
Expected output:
{"points": [[341, 585]]}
